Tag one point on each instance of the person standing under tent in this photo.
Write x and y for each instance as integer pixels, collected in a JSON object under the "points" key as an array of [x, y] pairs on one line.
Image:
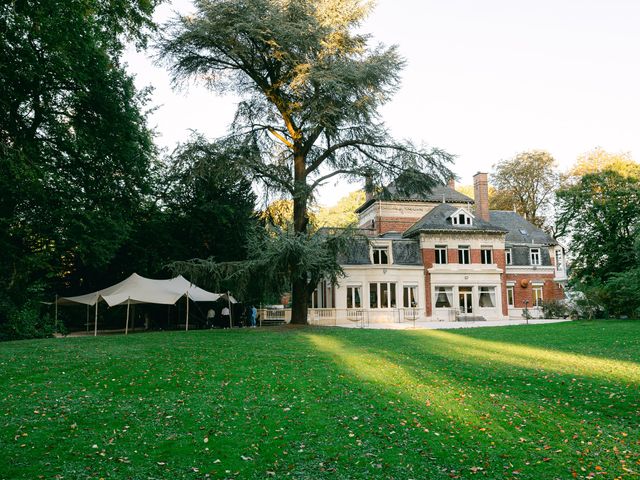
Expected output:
{"points": [[226, 317], [211, 317]]}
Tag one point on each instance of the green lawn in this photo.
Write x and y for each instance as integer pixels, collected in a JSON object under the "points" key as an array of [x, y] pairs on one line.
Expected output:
{"points": [[539, 402]]}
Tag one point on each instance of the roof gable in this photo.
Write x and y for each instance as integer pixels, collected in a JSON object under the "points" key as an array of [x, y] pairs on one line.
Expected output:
{"points": [[439, 219], [454, 218]]}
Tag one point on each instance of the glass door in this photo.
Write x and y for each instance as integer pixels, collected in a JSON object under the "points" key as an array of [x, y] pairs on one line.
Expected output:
{"points": [[465, 295]]}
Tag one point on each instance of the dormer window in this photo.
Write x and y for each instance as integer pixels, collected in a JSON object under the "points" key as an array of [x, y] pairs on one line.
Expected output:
{"points": [[534, 256], [462, 217], [380, 255]]}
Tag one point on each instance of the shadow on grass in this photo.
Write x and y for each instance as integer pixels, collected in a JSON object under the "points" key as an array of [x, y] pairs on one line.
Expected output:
{"points": [[489, 398]]}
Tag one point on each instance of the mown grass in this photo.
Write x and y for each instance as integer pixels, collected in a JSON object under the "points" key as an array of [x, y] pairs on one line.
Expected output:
{"points": [[538, 402]]}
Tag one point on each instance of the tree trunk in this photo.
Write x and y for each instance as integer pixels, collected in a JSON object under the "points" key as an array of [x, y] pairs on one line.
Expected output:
{"points": [[299, 292], [299, 307]]}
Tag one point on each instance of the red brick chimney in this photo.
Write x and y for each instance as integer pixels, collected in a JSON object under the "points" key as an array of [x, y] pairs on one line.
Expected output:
{"points": [[481, 195], [452, 183]]}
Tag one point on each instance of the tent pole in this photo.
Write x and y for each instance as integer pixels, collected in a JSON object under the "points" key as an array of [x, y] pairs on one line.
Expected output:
{"points": [[126, 325], [95, 328], [87, 323], [186, 327], [230, 314]]}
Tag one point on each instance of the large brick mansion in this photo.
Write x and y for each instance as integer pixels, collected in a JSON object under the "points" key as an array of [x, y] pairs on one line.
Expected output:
{"points": [[448, 256]]}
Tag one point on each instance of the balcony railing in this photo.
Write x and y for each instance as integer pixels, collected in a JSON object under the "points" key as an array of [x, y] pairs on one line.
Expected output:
{"points": [[343, 316], [274, 316], [335, 316], [410, 315]]}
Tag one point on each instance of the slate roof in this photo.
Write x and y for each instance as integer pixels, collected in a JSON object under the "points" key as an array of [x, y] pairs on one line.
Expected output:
{"points": [[437, 194], [520, 230], [356, 253], [405, 252], [520, 256], [438, 220]]}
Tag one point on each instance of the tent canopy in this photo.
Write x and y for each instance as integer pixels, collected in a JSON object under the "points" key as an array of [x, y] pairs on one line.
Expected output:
{"points": [[138, 289]]}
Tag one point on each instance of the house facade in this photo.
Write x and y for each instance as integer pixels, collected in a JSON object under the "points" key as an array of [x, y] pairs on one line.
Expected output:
{"points": [[443, 256]]}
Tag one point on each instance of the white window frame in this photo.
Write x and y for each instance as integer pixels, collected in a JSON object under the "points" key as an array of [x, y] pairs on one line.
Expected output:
{"points": [[467, 249], [511, 296], [439, 249], [451, 300], [490, 290], [322, 296], [379, 295], [380, 248], [410, 287], [483, 254], [538, 254], [351, 292], [508, 256], [537, 299]]}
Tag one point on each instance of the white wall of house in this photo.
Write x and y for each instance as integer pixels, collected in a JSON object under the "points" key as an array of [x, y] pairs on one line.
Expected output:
{"points": [[363, 276], [474, 276]]}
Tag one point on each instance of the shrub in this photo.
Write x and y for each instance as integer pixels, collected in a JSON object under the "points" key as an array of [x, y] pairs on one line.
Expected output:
{"points": [[622, 294], [26, 320], [554, 309], [586, 302]]}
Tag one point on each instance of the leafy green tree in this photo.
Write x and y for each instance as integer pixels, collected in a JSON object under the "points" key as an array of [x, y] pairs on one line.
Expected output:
{"points": [[622, 293], [310, 87], [603, 190], [526, 183], [210, 201], [343, 213], [74, 146], [601, 216], [203, 207]]}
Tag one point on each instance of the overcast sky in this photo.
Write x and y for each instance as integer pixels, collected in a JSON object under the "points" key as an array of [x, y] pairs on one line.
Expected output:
{"points": [[484, 80]]}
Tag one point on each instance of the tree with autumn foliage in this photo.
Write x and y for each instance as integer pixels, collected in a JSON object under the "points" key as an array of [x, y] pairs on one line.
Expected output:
{"points": [[310, 87], [599, 160], [527, 184]]}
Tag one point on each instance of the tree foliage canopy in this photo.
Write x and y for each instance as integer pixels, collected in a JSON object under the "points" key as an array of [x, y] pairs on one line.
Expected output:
{"points": [[601, 216], [598, 160], [74, 146], [526, 183], [201, 207], [310, 87], [342, 214]]}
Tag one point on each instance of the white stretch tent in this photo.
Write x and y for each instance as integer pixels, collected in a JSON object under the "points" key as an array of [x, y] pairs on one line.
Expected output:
{"points": [[138, 289]]}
